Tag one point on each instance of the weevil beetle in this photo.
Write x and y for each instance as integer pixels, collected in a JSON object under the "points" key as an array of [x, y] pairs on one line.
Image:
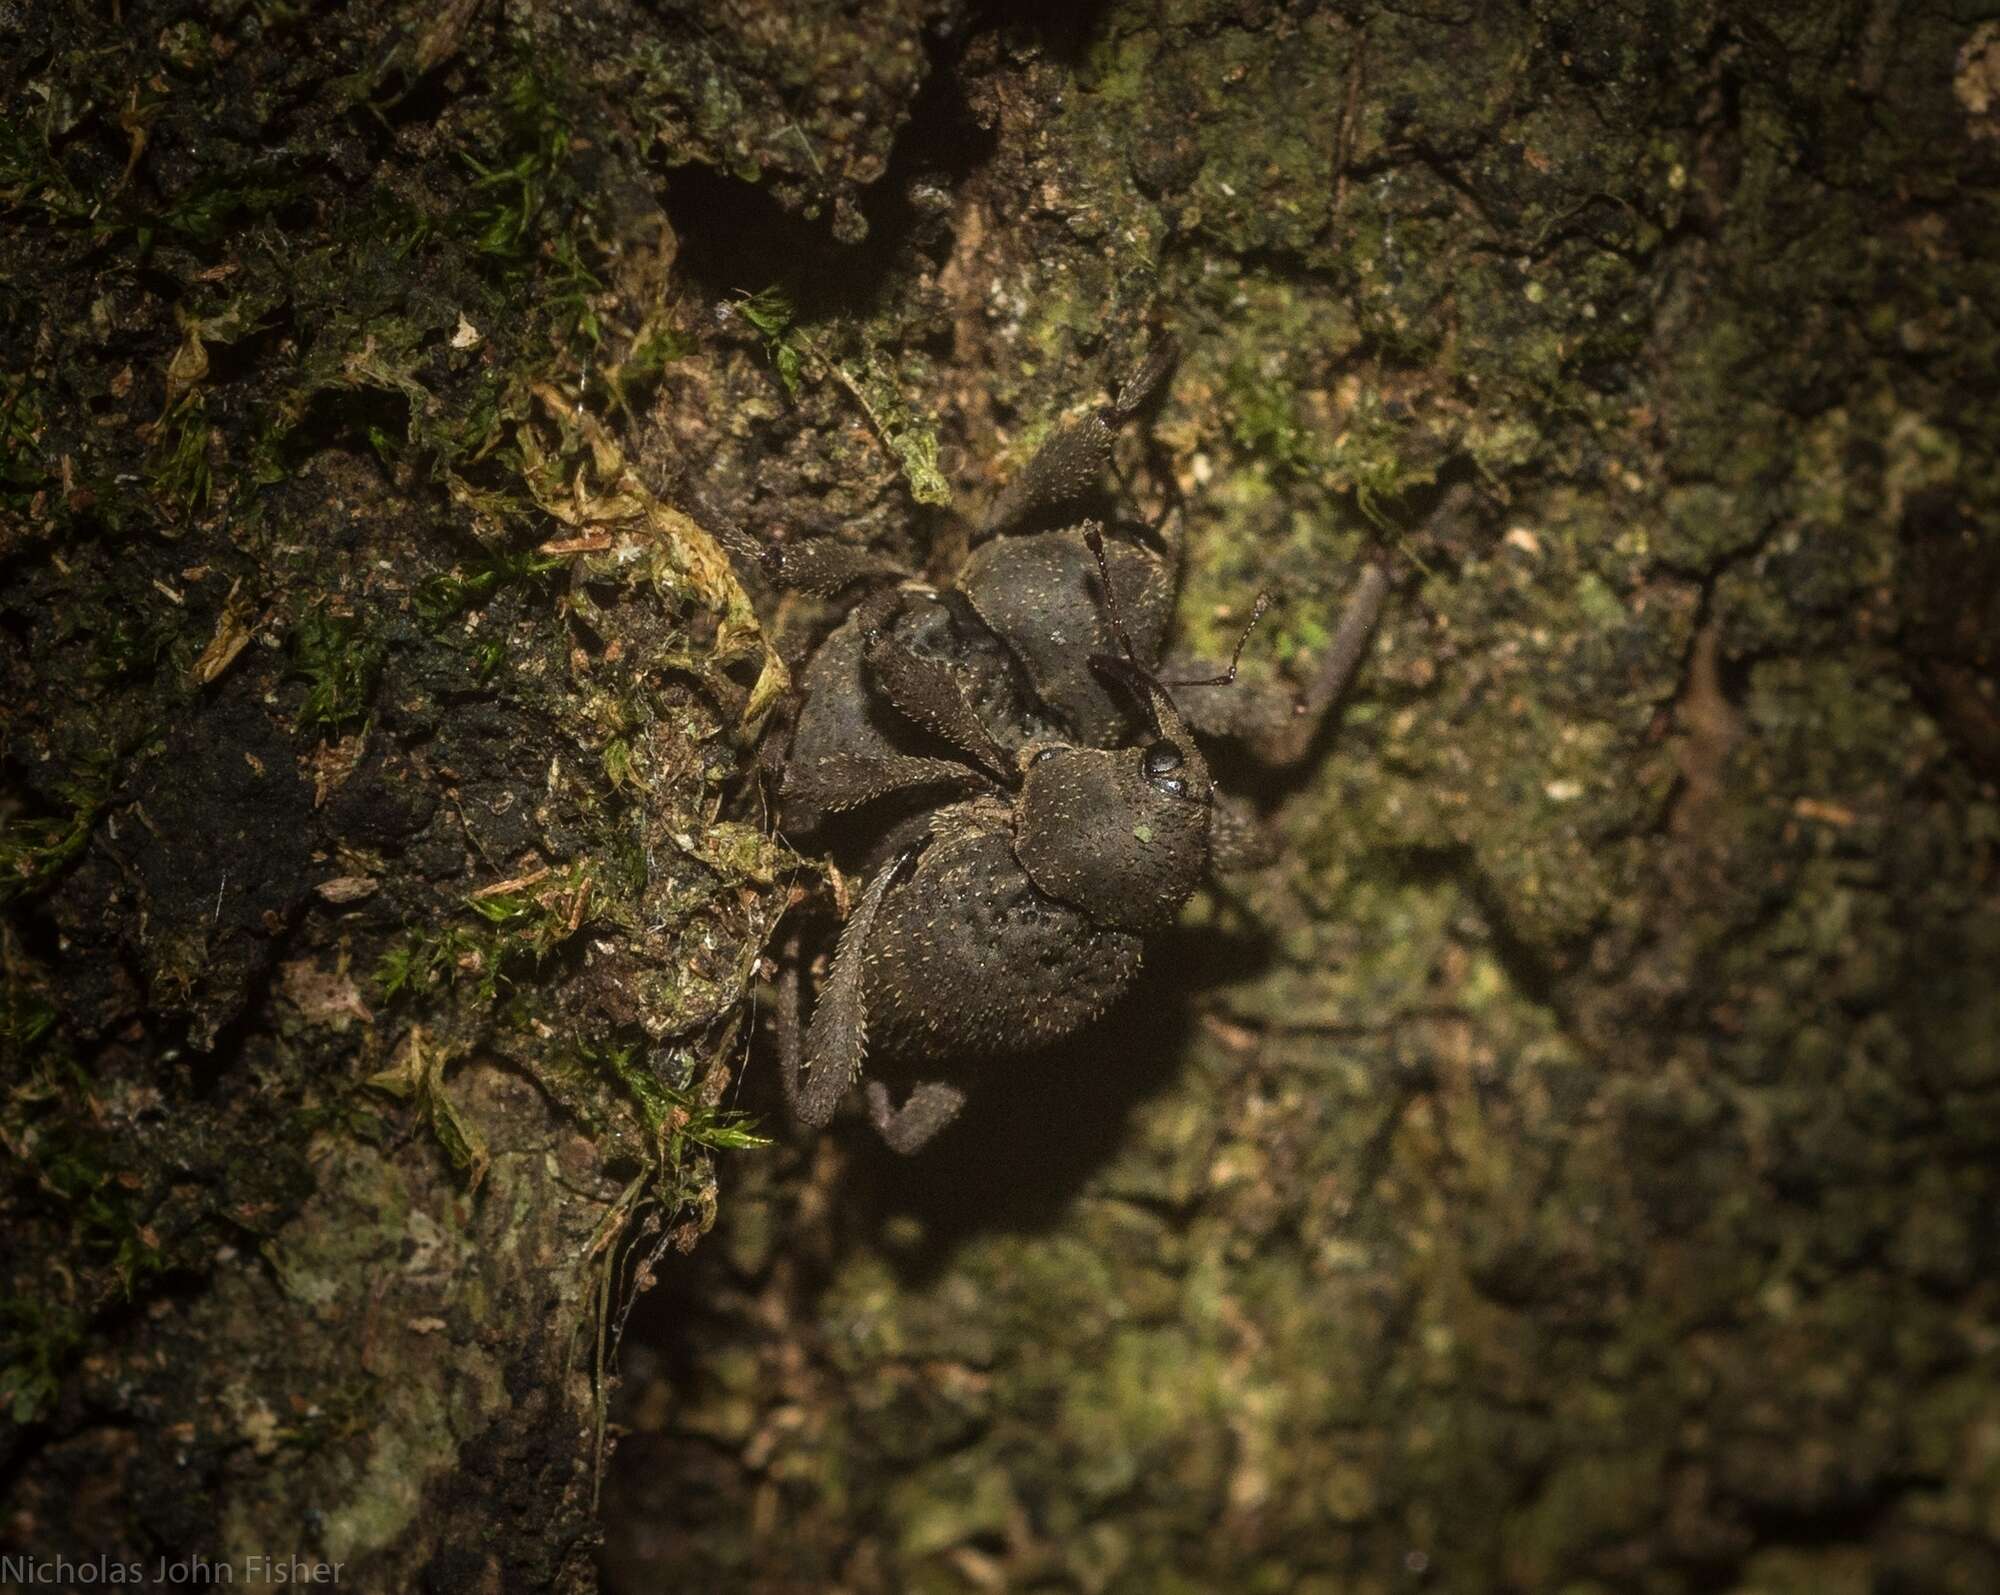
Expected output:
{"points": [[1006, 767]]}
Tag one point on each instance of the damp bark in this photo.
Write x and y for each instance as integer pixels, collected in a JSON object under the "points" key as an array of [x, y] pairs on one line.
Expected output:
{"points": [[1570, 1166]]}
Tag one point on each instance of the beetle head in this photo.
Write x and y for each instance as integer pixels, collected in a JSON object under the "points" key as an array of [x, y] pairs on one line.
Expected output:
{"points": [[1121, 834]]}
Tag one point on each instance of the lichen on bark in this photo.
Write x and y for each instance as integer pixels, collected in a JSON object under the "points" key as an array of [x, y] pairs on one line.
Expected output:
{"points": [[1526, 1187]]}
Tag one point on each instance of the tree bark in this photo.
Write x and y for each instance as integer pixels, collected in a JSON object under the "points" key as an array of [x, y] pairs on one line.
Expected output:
{"points": [[1571, 1165]]}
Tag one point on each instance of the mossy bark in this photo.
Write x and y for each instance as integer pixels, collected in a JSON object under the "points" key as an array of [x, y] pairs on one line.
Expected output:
{"points": [[375, 945], [1572, 1166]]}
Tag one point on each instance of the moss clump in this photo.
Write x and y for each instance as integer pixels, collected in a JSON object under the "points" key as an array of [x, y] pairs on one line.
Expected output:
{"points": [[340, 665], [33, 851]]}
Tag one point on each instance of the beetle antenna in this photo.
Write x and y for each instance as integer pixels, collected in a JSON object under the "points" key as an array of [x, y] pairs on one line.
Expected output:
{"points": [[1152, 693], [1229, 675], [1095, 539]]}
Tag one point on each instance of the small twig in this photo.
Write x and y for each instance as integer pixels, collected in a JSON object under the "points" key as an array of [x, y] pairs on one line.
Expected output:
{"points": [[500, 888], [806, 145], [840, 374]]}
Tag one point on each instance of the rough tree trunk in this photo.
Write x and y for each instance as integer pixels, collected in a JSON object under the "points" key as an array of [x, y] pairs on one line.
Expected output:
{"points": [[1571, 1167]]}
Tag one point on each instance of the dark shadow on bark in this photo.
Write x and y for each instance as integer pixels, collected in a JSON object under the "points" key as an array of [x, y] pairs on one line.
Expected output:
{"points": [[736, 238], [1037, 1129]]}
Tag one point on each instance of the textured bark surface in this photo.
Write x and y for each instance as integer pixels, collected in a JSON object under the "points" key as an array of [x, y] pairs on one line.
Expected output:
{"points": [[375, 944], [1570, 1166]]}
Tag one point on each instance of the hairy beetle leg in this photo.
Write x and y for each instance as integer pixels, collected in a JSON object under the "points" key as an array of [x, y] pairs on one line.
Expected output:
{"points": [[1076, 453], [929, 1108], [822, 566]]}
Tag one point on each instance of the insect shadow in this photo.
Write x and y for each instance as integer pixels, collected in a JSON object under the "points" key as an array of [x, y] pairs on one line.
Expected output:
{"points": [[1029, 1147]]}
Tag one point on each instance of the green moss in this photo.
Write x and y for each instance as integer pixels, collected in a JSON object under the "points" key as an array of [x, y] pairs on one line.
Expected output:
{"points": [[35, 849], [22, 471], [658, 345], [770, 311], [183, 476], [86, 1176], [340, 664], [73, 1176], [518, 929], [31, 174], [422, 959], [448, 594], [38, 1342], [673, 1114], [950, 1502], [912, 441], [537, 921], [417, 1075], [516, 187]]}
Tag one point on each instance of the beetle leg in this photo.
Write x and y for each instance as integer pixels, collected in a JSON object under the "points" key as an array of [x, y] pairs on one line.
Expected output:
{"points": [[1147, 378], [837, 1038], [927, 1110], [931, 694], [1343, 658], [1074, 456], [848, 780], [822, 566]]}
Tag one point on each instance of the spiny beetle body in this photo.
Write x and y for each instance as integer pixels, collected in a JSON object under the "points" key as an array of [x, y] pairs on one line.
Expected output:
{"points": [[1002, 764]]}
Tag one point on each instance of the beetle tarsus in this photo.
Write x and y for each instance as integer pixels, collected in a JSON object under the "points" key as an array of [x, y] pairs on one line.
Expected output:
{"points": [[929, 1108]]}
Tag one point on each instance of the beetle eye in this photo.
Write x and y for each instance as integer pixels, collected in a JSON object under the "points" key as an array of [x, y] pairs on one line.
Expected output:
{"points": [[1162, 758], [1172, 785], [1046, 753]]}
